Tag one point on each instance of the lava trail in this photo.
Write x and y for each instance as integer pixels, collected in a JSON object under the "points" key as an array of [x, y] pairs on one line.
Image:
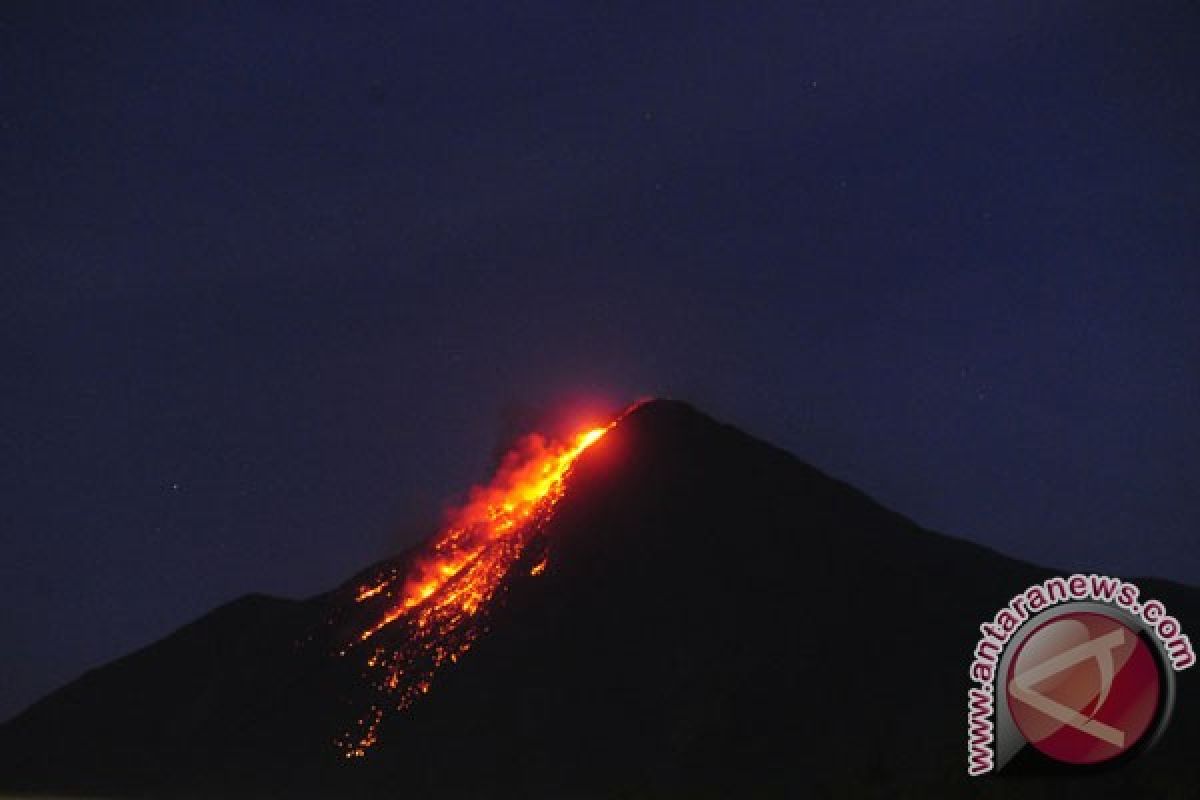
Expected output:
{"points": [[435, 609]]}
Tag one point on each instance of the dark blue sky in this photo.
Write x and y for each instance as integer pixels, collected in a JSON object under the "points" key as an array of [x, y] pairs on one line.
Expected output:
{"points": [[275, 278]]}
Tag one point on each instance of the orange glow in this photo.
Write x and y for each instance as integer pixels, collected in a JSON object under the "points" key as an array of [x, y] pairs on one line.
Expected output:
{"points": [[526, 483], [366, 592], [435, 605]]}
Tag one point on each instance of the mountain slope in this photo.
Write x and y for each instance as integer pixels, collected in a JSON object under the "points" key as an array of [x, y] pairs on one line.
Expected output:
{"points": [[716, 619]]}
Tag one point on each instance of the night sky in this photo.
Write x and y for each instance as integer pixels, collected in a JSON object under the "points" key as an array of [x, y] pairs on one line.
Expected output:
{"points": [[277, 282]]}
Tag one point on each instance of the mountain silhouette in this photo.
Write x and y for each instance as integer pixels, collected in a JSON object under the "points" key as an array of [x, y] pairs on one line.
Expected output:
{"points": [[715, 619]]}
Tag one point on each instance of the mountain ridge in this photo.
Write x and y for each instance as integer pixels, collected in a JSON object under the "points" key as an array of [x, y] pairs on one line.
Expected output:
{"points": [[702, 587]]}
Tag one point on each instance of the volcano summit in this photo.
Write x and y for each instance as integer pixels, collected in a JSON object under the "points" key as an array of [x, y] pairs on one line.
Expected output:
{"points": [[665, 607]]}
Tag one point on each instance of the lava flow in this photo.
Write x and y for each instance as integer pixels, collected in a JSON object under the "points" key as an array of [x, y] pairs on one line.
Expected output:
{"points": [[440, 599]]}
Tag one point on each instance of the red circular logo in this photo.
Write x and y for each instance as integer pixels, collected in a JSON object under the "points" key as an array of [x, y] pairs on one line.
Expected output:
{"points": [[1083, 688]]}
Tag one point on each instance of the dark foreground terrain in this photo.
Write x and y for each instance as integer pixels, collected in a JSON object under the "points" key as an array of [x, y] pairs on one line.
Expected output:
{"points": [[717, 620]]}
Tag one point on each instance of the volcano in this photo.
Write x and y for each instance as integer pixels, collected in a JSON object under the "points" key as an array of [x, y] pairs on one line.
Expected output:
{"points": [[687, 612]]}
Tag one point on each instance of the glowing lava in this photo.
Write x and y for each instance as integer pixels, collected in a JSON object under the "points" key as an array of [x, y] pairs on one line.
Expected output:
{"points": [[438, 602]]}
